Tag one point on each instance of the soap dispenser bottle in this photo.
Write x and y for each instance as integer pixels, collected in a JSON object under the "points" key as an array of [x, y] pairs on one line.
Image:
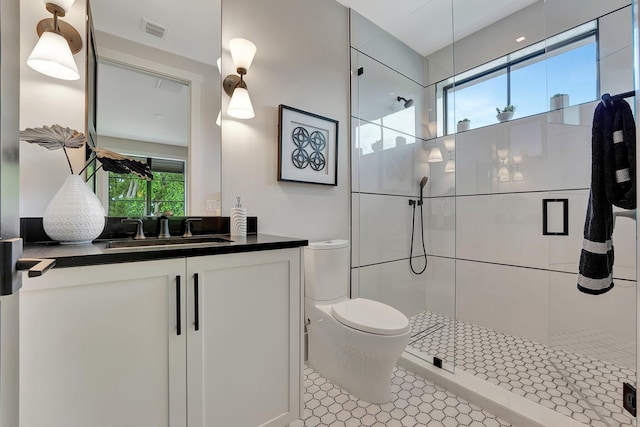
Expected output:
{"points": [[238, 219]]}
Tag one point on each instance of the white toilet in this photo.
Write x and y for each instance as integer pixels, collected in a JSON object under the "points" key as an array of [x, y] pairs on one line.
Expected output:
{"points": [[355, 343]]}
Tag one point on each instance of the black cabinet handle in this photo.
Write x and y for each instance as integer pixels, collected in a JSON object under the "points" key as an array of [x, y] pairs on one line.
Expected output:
{"points": [[196, 321], [178, 314], [35, 267]]}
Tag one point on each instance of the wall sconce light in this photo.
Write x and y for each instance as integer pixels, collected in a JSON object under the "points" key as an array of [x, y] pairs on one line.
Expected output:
{"points": [[504, 175], [59, 41], [450, 146], [435, 154], [517, 175], [242, 53]]}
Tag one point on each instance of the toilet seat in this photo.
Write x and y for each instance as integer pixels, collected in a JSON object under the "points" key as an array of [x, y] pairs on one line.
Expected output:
{"points": [[370, 316]]}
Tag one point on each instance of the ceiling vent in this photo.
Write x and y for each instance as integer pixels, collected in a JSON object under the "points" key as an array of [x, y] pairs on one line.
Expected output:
{"points": [[167, 85], [154, 29]]}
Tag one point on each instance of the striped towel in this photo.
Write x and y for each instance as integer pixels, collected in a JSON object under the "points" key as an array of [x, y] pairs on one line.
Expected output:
{"points": [[613, 182]]}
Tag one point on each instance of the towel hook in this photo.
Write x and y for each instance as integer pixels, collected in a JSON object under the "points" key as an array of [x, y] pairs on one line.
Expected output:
{"points": [[607, 101]]}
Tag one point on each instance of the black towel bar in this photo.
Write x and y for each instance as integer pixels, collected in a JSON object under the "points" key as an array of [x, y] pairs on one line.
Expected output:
{"points": [[607, 100]]}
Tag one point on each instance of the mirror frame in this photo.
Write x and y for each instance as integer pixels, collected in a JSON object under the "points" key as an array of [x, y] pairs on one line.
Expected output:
{"points": [[106, 55]]}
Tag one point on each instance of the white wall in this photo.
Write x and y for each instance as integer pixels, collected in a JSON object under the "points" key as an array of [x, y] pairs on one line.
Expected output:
{"points": [[46, 101], [302, 61]]}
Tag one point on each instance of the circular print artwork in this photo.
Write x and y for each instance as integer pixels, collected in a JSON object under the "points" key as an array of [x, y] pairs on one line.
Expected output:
{"points": [[317, 161], [300, 137], [318, 141], [300, 158]]}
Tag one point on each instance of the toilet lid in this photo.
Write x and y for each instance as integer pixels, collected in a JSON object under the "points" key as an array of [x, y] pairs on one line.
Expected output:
{"points": [[370, 316]]}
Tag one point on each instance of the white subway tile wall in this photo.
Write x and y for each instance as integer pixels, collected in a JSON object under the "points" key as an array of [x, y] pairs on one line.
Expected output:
{"points": [[489, 263]]}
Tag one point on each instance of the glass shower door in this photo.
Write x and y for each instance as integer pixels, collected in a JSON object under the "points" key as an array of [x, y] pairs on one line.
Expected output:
{"points": [[591, 347], [394, 132]]}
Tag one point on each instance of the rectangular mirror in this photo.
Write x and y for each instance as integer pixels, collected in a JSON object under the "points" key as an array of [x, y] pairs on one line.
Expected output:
{"points": [[154, 94]]}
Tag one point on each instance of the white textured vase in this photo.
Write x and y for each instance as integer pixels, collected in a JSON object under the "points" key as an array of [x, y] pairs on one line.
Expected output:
{"points": [[74, 215]]}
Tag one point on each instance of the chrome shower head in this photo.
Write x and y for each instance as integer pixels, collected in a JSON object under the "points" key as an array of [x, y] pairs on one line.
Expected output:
{"points": [[407, 102]]}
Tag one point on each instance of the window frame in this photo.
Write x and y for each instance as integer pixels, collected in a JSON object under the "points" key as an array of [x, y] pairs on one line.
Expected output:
{"points": [[149, 183], [508, 64]]}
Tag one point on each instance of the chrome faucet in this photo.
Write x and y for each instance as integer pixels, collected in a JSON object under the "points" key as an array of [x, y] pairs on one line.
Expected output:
{"points": [[139, 229], [187, 226]]}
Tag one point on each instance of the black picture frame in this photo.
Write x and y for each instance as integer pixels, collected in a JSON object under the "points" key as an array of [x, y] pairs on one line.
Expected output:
{"points": [[307, 147]]}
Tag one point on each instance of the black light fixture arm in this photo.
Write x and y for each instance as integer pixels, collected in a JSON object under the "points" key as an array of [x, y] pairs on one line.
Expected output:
{"points": [[232, 81]]}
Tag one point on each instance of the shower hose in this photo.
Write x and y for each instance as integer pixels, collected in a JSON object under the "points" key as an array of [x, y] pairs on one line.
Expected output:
{"points": [[413, 229]]}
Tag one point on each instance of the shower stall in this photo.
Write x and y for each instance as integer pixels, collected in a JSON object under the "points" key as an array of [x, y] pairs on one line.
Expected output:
{"points": [[505, 201]]}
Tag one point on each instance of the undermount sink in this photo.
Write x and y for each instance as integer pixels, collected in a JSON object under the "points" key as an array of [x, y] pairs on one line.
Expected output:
{"points": [[154, 241]]}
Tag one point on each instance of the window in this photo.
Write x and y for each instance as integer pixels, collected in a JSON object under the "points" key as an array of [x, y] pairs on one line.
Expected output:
{"points": [[562, 64], [133, 196]]}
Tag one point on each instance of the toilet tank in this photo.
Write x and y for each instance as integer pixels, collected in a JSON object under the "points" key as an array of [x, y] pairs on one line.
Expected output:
{"points": [[326, 270]]}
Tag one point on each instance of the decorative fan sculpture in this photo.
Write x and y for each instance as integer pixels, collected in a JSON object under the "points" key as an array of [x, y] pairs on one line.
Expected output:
{"points": [[55, 137], [114, 162]]}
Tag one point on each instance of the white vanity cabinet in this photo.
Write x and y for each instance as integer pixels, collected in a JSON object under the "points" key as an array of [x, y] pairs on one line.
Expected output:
{"points": [[244, 360], [100, 345]]}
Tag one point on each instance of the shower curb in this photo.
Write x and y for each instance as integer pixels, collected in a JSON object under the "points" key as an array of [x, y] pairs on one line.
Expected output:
{"points": [[517, 410]]}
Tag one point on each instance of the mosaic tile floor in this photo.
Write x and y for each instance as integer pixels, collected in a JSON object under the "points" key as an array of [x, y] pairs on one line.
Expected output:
{"points": [[580, 387], [415, 402]]}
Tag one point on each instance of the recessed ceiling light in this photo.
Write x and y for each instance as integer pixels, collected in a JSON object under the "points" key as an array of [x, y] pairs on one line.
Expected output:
{"points": [[521, 39]]}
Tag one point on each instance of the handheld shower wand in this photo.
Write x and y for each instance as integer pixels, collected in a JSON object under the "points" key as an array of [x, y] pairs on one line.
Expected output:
{"points": [[423, 182], [413, 203]]}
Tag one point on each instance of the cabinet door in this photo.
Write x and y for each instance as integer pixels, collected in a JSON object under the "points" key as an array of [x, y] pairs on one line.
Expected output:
{"points": [[244, 361], [99, 347]]}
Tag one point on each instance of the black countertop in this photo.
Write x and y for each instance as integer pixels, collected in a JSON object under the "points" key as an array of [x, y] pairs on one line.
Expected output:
{"points": [[98, 253]]}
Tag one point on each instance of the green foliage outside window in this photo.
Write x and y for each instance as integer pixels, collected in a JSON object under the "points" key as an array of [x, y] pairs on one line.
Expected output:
{"points": [[128, 194]]}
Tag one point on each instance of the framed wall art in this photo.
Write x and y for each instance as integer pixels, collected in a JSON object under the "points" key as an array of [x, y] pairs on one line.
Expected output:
{"points": [[307, 147]]}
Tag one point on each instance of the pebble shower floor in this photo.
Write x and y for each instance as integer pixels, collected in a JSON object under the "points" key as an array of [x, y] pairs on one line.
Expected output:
{"points": [[583, 388], [415, 402]]}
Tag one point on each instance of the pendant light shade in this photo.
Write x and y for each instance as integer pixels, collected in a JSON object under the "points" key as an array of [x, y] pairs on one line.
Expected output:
{"points": [[503, 174], [435, 155], [450, 144], [242, 53], [240, 105], [450, 166], [52, 56]]}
